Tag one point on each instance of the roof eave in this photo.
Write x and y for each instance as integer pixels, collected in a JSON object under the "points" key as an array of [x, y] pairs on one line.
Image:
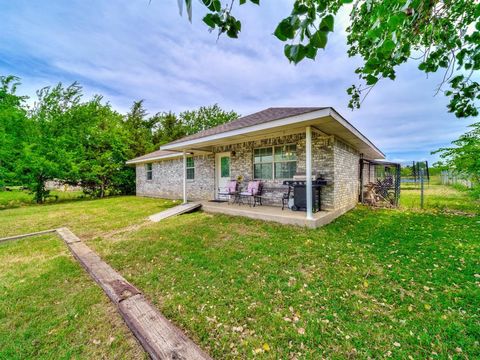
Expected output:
{"points": [[374, 151], [149, 160]]}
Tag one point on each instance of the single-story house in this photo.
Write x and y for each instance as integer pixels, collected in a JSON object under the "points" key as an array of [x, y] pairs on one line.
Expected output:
{"points": [[272, 146]]}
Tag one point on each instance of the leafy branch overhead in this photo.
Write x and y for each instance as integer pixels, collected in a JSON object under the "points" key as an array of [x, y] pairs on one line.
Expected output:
{"points": [[442, 35]]}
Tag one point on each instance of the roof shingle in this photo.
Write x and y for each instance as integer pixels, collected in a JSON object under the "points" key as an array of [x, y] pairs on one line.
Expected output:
{"points": [[260, 117]]}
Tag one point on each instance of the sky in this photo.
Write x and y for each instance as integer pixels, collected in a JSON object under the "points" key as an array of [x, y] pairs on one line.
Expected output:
{"points": [[129, 50]]}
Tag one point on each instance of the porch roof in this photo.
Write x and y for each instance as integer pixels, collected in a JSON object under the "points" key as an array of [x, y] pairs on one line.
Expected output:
{"points": [[156, 155], [274, 122]]}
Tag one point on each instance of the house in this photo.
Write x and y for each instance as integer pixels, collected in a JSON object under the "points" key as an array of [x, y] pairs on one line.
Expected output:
{"points": [[271, 145]]}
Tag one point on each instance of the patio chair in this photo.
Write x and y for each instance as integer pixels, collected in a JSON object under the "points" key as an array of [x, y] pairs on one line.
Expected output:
{"points": [[253, 193], [229, 191]]}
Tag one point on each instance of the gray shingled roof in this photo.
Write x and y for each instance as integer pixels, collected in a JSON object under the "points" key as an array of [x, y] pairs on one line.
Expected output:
{"points": [[260, 117], [153, 155]]}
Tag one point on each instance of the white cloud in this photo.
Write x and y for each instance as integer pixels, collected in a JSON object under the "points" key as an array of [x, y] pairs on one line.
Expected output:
{"points": [[131, 50]]}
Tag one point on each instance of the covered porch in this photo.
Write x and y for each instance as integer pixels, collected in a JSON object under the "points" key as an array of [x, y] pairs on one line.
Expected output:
{"points": [[319, 144], [272, 213]]}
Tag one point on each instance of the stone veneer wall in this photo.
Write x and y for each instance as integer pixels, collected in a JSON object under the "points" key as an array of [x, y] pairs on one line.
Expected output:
{"points": [[167, 181], [347, 172], [336, 161], [322, 153]]}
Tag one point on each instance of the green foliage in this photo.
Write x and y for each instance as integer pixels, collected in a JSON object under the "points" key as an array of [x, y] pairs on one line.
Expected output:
{"points": [[443, 35], [86, 143], [139, 127], [105, 145], [170, 127], [205, 118], [464, 156], [13, 128], [50, 146]]}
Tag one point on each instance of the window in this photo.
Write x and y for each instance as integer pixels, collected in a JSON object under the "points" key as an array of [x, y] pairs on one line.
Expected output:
{"points": [[149, 171], [262, 163], [190, 168], [285, 161], [279, 162]]}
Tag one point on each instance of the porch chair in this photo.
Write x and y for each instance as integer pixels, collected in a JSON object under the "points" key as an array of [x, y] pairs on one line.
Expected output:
{"points": [[229, 191], [253, 193]]}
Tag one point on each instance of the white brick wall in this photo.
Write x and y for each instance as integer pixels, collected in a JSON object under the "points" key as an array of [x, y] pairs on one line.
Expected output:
{"points": [[337, 162]]}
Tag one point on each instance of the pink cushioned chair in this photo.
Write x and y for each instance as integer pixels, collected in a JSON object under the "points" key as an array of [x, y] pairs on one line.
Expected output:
{"points": [[230, 190], [253, 192]]}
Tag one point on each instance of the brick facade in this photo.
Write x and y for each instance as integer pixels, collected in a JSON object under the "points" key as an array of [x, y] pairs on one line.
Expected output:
{"points": [[335, 161], [167, 179]]}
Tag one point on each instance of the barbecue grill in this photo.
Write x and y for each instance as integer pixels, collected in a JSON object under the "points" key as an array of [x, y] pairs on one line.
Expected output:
{"points": [[299, 185]]}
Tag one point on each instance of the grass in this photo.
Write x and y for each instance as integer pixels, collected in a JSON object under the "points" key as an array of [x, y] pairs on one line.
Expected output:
{"points": [[17, 198], [440, 198], [86, 218], [51, 309], [375, 283]]}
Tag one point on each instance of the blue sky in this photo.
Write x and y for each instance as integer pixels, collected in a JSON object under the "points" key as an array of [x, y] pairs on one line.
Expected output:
{"points": [[132, 49]]}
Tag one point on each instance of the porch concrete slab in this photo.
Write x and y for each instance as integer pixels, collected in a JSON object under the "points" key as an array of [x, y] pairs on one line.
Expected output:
{"points": [[273, 213]]}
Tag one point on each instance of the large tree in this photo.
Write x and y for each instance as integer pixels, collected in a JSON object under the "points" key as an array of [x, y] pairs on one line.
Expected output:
{"points": [[49, 149], [139, 126], [169, 126], [13, 128], [442, 35], [464, 156], [104, 146]]}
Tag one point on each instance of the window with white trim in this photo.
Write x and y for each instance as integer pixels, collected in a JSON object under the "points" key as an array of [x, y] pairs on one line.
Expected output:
{"points": [[275, 162], [149, 171], [190, 168]]}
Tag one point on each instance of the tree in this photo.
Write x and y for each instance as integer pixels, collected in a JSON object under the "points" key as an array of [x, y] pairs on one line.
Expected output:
{"points": [[170, 127], [139, 128], [104, 147], [464, 156], [205, 117], [442, 35], [50, 146], [13, 128]]}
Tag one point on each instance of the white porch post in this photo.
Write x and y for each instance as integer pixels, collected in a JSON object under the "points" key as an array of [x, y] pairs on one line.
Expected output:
{"points": [[308, 170], [184, 177]]}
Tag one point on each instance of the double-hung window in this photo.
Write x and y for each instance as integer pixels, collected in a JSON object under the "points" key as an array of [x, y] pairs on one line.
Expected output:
{"points": [[276, 162], [190, 168], [149, 171]]}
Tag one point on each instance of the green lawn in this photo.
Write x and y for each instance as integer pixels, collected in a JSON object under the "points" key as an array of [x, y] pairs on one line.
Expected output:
{"points": [[375, 283], [51, 309], [17, 198], [439, 198]]}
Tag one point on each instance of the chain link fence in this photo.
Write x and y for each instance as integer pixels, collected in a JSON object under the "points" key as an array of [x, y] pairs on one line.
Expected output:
{"points": [[451, 178]]}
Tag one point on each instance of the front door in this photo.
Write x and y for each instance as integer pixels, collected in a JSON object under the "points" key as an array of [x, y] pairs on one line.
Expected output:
{"points": [[222, 166]]}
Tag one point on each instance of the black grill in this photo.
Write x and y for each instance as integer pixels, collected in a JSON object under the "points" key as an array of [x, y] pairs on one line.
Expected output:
{"points": [[300, 193]]}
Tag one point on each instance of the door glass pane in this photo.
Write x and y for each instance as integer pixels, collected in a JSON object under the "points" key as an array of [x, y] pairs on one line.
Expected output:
{"points": [[225, 166]]}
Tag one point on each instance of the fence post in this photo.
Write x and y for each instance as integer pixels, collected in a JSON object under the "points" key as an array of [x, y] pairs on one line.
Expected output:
{"points": [[421, 188]]}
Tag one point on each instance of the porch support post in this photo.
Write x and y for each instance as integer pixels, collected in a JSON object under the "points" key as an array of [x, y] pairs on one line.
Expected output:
{"points": [[308, 170], [184, 177]]}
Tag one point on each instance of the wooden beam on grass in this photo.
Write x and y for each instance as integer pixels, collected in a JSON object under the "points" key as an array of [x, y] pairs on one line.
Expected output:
{"points": [[159, 337]]}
